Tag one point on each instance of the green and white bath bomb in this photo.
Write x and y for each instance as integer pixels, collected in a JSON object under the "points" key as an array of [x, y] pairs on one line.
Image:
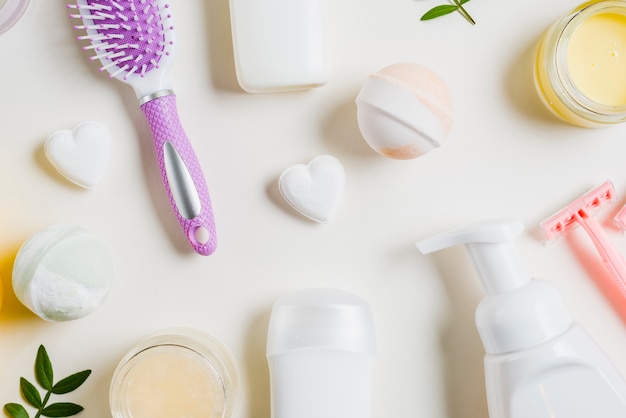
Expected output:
{"points": [[62, 273]]}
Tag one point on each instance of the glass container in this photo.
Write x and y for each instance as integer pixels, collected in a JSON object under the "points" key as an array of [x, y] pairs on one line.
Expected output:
{"points": [[180, 372], [556, 68]]}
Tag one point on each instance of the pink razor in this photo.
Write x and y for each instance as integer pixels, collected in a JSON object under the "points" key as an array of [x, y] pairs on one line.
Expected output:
{"points": [[580, 212], [620, 218], [133, 40]]}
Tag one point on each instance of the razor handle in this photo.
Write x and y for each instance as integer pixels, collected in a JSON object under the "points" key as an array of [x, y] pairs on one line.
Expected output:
{"points": [[181, 173]]}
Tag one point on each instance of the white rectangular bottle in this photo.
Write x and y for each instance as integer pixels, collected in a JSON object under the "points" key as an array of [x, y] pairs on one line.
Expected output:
{"points": [[279, 45]]}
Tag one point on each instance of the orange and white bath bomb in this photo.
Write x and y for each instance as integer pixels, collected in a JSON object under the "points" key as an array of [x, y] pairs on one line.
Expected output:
{"points": [[404, 111]]}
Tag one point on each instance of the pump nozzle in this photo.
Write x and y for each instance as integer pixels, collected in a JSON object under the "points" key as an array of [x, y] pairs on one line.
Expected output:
{"points": [[491, 248]]}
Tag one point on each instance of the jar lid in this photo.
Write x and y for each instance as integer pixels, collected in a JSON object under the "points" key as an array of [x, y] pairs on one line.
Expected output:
{"points": [[11, 11]]}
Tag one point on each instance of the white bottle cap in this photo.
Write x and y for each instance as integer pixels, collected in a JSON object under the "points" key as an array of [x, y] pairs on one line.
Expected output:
{"points": [[321, 318], [490, 246], [320, 350]]}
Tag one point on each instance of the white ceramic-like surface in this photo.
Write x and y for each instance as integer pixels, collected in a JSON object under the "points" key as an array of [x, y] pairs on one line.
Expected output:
{"points": [[506, 156]]}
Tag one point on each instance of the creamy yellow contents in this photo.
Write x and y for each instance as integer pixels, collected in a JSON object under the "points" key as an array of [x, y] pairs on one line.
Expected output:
{"points": [[596, 58], [171, 384]]}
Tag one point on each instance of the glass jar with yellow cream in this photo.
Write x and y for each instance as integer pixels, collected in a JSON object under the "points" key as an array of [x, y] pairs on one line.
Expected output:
{"points": [[580, 68]]}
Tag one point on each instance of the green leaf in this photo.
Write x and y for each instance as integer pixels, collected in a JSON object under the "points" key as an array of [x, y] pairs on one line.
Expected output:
{"points": [[61, 409], [43, 369], [447, 9], [15, 410], [464, 12], [70, 383], [44, 376], [30, 392], [439, 11]]}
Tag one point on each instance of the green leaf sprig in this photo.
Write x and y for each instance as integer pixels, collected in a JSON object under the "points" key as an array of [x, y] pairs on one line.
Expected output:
{"points": [[445, 9], [45, 378]]}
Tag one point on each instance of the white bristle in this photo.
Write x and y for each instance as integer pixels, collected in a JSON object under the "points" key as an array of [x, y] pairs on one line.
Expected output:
{"points": [[116, 55], [89, 7], [117, 6], [107, 66], [93, 37], [95, 46], [104, 15], [126, 58], [106, 54], [91, 17], [107, 26], [101, 47], [119, 71], [131, 72]]}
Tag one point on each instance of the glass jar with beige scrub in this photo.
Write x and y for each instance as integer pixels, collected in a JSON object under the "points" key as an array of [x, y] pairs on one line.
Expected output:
{"points": [[580, 67], [180, 372]]}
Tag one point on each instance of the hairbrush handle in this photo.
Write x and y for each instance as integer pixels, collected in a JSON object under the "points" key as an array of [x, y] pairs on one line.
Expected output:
{"points": [[181, 172]]}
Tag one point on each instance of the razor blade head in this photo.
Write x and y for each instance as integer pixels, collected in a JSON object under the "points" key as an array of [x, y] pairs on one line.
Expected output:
{"points": [[583, 207]]}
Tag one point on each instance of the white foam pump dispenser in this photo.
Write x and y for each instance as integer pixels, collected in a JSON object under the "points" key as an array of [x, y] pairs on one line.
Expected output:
{"points": [[539, 363]]}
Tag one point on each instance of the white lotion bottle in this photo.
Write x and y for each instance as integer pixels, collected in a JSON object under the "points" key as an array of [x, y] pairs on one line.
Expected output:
{"points": [[279, 45], [539, 363], [320, 351]]}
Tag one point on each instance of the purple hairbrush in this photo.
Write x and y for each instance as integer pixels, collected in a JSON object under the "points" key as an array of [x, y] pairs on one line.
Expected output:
{"points": [[133, 40]]}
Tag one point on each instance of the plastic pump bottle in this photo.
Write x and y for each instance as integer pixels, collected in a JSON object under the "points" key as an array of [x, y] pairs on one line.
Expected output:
{"points": [[538, 362]]}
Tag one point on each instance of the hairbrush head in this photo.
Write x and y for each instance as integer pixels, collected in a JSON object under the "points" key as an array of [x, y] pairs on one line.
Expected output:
{"points": [[132, 39]]}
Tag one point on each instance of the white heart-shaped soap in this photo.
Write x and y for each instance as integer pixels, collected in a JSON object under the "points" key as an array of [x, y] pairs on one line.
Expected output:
{"points": [[81, 154], [315, 190]]}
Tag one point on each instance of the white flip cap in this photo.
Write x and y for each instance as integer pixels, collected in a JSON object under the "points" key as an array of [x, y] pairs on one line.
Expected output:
{"points": [[321, 318]]}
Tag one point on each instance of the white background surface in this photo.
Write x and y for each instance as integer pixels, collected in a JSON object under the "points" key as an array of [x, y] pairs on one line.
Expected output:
{"points": [[505, 157]]}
